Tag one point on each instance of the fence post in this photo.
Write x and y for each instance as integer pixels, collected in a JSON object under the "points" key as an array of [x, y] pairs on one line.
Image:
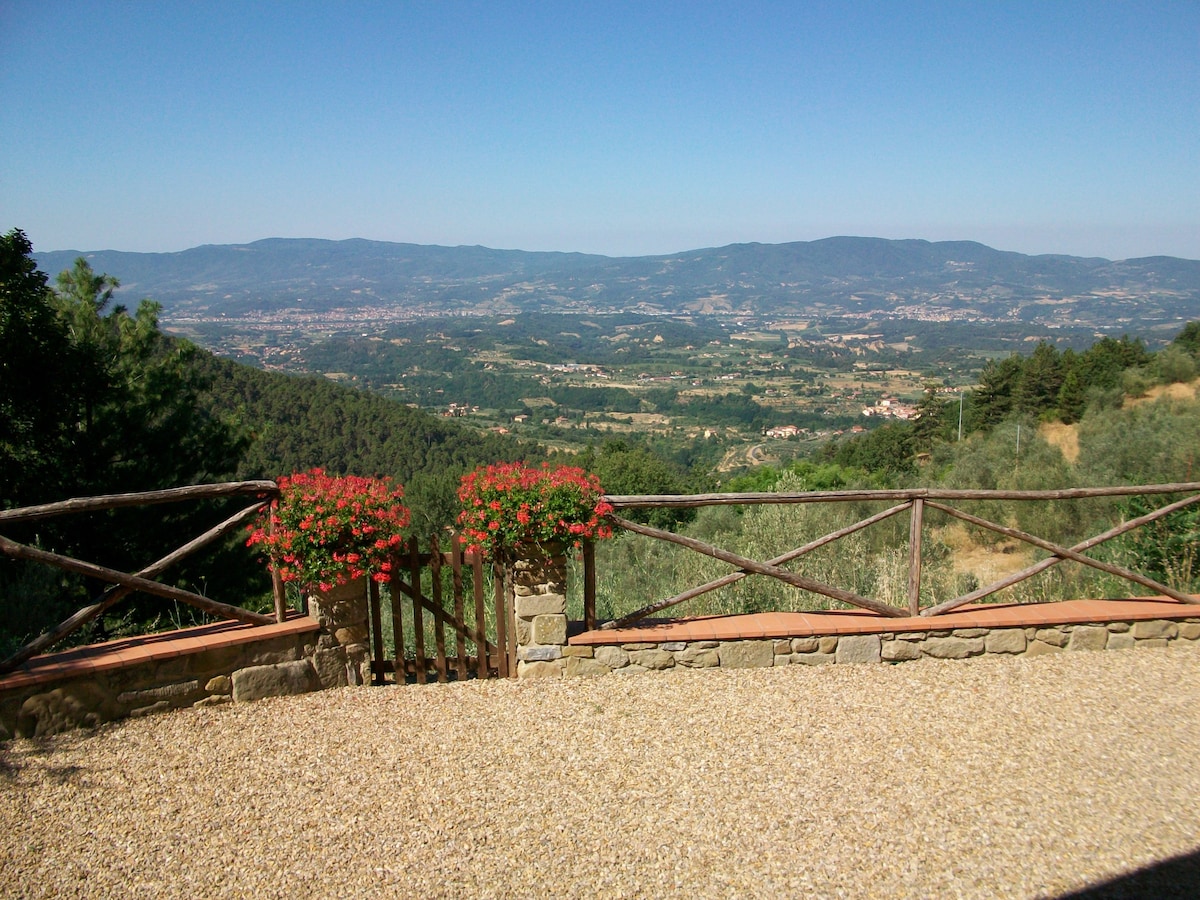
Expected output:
{"points": [[915, 527], [589, 585]]}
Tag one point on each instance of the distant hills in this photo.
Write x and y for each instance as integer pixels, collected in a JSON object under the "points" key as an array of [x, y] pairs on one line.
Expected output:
{"points": [[834, 276]]}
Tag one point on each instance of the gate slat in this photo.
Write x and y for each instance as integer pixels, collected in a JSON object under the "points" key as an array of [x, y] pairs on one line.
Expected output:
{"points": [[397, 620], [459, 613], [414, 574], [439, 626], [501, 620], [481, 641], [377, 631]]}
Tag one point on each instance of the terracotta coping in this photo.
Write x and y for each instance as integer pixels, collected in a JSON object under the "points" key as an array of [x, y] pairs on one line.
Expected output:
{"points": [[861, 621], [146, 648]]}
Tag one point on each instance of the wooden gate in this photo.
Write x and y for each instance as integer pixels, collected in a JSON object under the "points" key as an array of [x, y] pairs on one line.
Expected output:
{"points": [[441, 623]]}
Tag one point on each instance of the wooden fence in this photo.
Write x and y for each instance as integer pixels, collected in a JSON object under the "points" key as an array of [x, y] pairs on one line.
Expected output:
{"points": [[441, 623], [124, 583], [915, 502]]}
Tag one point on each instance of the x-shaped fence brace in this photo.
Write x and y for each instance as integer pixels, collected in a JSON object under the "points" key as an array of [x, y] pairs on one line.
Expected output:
{"points": [[125, 583], [914, 501]]}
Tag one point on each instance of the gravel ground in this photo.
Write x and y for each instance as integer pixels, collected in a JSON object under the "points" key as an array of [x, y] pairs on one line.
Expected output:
{"points": [[995, 777]]}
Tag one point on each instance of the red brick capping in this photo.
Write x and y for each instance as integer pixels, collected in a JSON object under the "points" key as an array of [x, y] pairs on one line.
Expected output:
{"points": [[125, 652], [861, 621]]}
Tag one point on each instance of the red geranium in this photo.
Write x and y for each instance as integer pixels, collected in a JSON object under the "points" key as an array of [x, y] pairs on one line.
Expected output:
{"points": [[505, 504], [326, 530]]}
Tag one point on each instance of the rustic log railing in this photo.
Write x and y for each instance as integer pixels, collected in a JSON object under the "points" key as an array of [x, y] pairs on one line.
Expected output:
{"points": [[916, 501], [124, 583]]}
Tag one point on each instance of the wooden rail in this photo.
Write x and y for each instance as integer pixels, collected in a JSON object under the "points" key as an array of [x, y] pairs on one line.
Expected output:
{"points": [[916, 501], [143, 580]]}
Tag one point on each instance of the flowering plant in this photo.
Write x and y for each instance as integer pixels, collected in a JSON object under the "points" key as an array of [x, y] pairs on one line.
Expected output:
{"points": [[510, 503], [325, 530]]}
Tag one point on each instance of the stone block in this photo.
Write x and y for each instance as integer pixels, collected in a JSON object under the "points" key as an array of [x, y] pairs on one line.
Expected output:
{"points": [[82, 704], [1041, 648], [969, 632], [219, 684], [783, 647], [550, 629], [613, 657], [813, 659], [1155, 628], [703, 645], [541, 605], [280, 680], [1120, 641], [951, 647], [1088, 637], [782, 659], [804, 645], [160, 706], [630, 670], [1190, 631], [746, 654], [674, 646], [330, 666], [167, 692], [1051, 636], [858, 648], [581, 667], [351, 634], [524, 631], [1005, 640], [640, 646], [897, 651], [540, 669], [911, 635], [827, 644], [213, 700], [539, 654], [652, 659], [698, 657], [1118, 626], [583, 652], [1152, 642]]}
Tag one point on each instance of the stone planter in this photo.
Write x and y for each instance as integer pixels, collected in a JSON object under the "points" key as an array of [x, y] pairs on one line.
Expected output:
{"points": [[539, 585], [343, 654]]}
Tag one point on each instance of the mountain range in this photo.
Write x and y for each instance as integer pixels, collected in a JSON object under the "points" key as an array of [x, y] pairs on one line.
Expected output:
{"points": [[829, 277]]}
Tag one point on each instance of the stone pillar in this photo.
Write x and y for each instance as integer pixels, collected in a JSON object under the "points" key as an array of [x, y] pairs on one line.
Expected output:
{"points": [[539, 579], [343, 654]]}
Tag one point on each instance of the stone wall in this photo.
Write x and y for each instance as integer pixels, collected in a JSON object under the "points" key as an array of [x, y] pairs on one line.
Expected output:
{"points": [[329, 649], [958, 643]]}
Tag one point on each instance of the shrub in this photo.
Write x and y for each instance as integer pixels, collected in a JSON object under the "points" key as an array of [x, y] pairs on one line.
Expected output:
{"points": [[327, 530], [506, 504]]}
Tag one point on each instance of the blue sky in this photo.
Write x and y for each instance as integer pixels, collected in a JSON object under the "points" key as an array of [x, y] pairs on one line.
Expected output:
{"points": [[615, 128]]}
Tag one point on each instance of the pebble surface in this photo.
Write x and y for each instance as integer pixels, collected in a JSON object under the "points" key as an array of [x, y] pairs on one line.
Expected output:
{"points": [[992, 777]]}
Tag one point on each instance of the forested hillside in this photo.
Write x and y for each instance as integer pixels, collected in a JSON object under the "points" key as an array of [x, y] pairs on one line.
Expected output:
{"points": [[96, 400]]}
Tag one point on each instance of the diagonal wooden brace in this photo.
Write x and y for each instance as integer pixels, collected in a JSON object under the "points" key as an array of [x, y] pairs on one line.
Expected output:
{"points": [[733, 577], [1064, 553], [757, 568], [146, 586]]}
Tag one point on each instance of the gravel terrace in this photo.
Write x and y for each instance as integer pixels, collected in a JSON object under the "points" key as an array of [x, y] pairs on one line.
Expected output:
{"points": [[995, 777]]}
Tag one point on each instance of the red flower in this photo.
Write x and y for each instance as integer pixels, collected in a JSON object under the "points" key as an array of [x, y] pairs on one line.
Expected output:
{"points": [[329, 530]]}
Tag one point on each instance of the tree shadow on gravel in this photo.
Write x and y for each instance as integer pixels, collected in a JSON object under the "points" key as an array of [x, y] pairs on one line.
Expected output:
{"points": [[34, 753], [1177, 877]]}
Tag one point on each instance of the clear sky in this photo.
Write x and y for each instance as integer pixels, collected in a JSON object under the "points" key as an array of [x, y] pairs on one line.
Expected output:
{"points": [[618, 128]]}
